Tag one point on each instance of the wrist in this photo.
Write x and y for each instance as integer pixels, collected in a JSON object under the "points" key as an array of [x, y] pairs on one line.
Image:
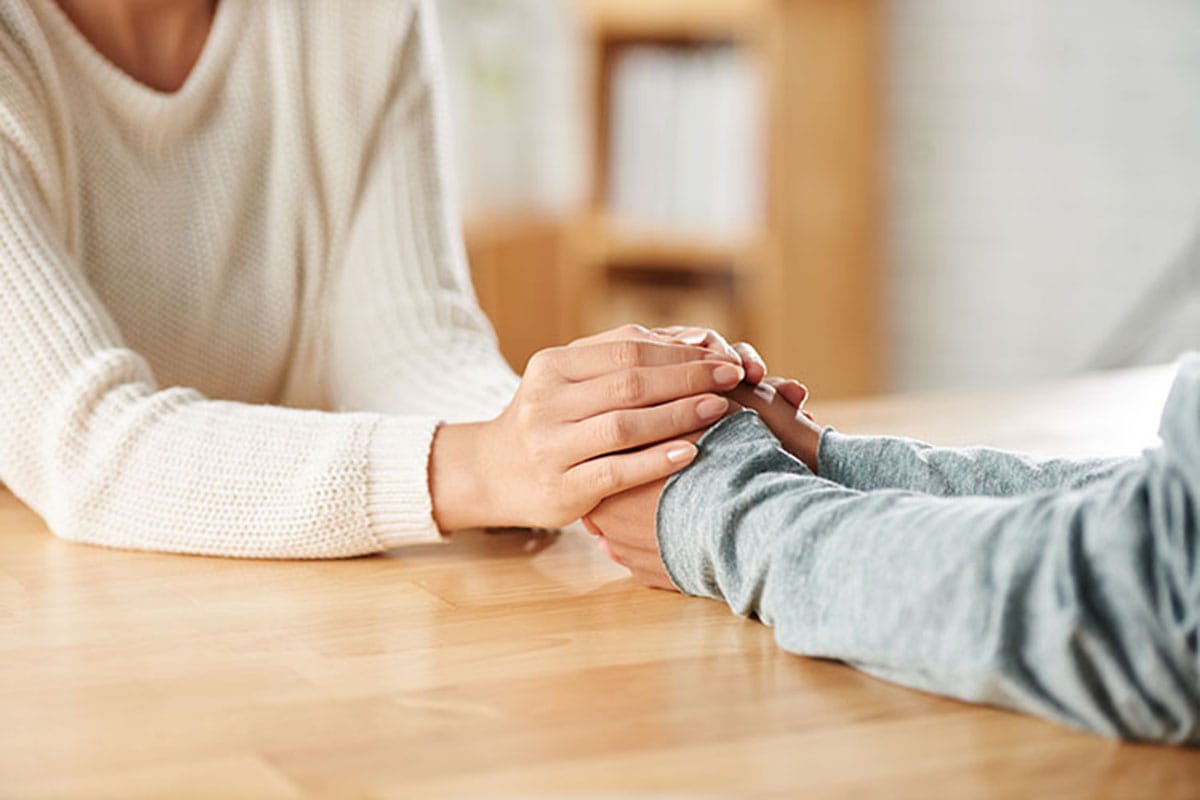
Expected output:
{"points": [[398, 504], [807, 443], [458, 485]]}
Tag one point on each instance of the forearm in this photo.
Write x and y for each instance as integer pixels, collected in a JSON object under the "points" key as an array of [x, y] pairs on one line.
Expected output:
{"points": [[1050, 604], [169, 470], [106, 456], [886, 462]]}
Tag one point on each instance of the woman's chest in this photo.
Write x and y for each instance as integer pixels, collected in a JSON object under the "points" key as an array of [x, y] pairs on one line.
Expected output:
{"points": [[203, 256]]}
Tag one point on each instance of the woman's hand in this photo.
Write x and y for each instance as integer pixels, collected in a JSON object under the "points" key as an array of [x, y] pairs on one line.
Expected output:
{"points": [[752, 362], [625, 524], [590, 420]]}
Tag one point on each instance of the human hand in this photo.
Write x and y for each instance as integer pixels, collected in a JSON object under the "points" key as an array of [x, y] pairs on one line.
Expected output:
{"points": [[625, 529], [626, 523], [589, 420], [752, 362], [625, 526], [780, 404]]}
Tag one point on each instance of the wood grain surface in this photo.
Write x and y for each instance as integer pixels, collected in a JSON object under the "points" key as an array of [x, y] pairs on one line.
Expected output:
{"points": [[510, 665]]}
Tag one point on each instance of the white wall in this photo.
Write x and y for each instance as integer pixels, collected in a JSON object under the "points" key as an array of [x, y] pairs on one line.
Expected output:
{"points": [[1044, 168], [515, 68]]}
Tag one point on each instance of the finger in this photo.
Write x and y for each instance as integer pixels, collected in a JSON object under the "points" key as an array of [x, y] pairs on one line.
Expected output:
{"points": [[591, 526], [752, 362], [647, 386], [593, 360], [628, 331], [710, 339], [775, 410], [615, 431], [793, 391], [696, 335], [673, 334], [602, 477], [683, 334]]}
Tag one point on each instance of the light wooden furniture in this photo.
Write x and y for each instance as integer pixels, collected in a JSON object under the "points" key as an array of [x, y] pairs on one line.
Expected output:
{"points": [[509, 665], [803, 287], [520, 269]]}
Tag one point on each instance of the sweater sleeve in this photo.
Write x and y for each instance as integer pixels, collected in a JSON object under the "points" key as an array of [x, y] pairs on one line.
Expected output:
{"points": [[106, 456], [1079, 606], [407, 335], [887, 462]]}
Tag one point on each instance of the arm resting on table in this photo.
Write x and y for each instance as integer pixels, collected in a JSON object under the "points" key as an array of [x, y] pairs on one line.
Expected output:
{"points": [[1079, 606], [888, 462]]}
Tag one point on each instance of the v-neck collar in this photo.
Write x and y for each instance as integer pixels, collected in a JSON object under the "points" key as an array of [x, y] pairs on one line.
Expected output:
{"points": [[128, 92]]}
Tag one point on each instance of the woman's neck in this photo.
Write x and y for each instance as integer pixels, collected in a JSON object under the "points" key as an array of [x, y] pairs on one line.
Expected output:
{"points": [[155, 42]]}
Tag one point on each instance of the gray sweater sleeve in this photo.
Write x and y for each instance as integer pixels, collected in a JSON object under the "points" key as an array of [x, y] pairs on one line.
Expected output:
{"points": [[1079, 605], [888, 462]]}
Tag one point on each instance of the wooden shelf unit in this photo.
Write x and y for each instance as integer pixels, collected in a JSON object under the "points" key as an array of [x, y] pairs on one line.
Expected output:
{"points": [[804, 288], [626, 244]]}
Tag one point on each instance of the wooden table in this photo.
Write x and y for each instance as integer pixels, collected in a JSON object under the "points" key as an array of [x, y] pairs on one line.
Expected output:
{"points": [[509, 665]]}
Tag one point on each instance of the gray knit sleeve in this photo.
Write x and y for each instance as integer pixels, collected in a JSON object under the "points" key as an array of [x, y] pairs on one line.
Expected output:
{"points": [[888, 462], [1080, 606]]}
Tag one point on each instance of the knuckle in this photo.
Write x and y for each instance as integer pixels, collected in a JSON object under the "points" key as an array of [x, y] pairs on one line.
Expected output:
{"points": [[607, 478], [617, 431], [539, 362], [683, 415], [629, 387], [627, 353], [700, 378], [560, 516]]}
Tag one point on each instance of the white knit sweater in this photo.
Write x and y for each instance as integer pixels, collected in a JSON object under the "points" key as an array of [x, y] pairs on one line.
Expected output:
{"points": [[181, 274]]}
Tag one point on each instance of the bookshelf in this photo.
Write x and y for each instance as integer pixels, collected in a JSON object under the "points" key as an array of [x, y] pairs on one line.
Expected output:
{"points": [[801, 282], [520, 266]]}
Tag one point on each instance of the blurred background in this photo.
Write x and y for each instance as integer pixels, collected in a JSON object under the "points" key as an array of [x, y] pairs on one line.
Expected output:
{"points": [[881, 196]]}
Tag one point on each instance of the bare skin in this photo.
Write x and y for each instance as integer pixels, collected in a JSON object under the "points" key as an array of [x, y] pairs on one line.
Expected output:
{"points": [[586, 419], [155, 42], [590, 420], [626, 523]]}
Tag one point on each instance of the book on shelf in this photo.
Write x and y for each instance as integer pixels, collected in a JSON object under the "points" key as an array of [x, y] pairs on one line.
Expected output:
{"points": [[686, 140]]}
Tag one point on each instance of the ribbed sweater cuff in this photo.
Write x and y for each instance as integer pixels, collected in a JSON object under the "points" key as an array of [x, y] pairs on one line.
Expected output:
{"points": [[833, 457], [399, 508]]}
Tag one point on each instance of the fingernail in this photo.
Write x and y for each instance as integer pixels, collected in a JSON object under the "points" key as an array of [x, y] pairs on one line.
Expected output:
{"points": [[765, 392], [678, 455], [712, 408], [728, 375]]}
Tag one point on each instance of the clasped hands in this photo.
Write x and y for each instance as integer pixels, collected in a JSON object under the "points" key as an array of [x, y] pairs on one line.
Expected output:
{"points": [[625, 523], [594, 430]]}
